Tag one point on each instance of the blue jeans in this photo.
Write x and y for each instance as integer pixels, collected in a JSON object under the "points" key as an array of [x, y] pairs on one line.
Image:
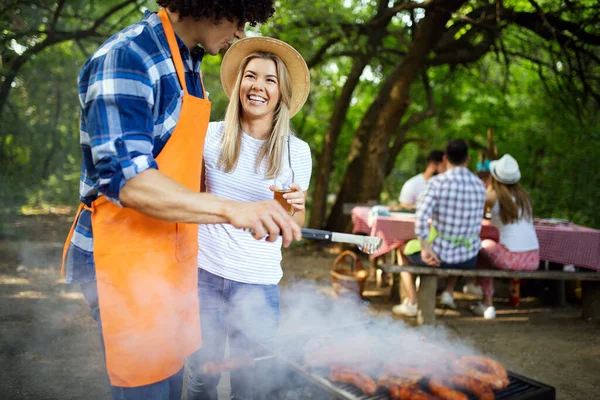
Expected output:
{"points": [[168, 389], [242, 312], [416, 259]]}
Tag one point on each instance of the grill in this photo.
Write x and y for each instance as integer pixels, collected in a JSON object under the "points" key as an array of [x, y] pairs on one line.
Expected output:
{"points": [[287, 378], [297, 382]]}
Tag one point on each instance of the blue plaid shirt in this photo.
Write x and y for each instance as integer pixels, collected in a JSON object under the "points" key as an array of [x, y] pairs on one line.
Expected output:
{"points": [[130, 103], [454, 201]]}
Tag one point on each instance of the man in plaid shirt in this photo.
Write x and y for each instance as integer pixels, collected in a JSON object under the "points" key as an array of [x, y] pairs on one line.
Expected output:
{"points": [[454, 201], [133, 243]]}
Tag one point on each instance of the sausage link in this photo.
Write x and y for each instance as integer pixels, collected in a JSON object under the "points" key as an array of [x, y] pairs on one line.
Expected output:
{"points": [[486, 364], [468, 366], [480, 389], [354, 377], [444, 392]]}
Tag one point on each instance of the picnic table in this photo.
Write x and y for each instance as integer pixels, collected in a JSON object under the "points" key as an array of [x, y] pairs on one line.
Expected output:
{"points": [[561, 243]]}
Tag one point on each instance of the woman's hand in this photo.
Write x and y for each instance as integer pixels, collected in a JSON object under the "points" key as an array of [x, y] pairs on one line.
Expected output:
{"points": [[297, 198]]}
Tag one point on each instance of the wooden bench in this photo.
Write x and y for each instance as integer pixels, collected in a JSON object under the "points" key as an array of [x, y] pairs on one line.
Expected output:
{"points": [[590, 282]]}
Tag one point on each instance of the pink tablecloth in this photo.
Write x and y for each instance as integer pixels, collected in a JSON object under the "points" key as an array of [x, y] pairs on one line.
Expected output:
{"points": [[563, 244]]}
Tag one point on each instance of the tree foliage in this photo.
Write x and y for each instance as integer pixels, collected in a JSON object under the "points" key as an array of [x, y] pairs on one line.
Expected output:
{"points": [[43, 44], [390, 80], [400, 47]]}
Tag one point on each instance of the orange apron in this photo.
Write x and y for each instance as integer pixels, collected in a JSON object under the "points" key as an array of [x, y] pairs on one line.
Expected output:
{"points": [[146, 269]]}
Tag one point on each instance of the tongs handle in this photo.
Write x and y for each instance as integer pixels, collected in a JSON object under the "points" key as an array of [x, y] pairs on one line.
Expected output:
{"points": [[316, 234], [308, 233]]}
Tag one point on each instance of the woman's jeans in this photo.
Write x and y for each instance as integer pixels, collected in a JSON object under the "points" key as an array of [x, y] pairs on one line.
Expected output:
{"points": [[168, 389], [244, 313]]}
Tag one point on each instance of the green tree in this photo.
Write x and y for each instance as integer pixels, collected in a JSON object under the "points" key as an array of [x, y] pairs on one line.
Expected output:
{"points": [[42, 49], [390, 80], [403, 42]]}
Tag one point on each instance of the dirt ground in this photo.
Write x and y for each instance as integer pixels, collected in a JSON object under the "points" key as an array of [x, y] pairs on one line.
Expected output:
{"points": [[49, 347]]}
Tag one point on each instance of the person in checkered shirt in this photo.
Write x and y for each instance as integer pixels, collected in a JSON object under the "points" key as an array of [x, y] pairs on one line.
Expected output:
{"points": [[454, 201]]}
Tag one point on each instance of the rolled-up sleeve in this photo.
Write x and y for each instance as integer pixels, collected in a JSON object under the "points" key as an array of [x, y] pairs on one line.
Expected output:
{"points": [[117, 118], [424, 210]]}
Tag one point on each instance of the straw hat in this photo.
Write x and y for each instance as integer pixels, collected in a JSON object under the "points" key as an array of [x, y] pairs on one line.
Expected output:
{"points": [[295, 64], [505, 170]]}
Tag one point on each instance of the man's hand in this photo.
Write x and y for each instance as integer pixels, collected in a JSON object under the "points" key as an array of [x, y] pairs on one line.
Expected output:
{"points": [[428, 255], [264, 218]]}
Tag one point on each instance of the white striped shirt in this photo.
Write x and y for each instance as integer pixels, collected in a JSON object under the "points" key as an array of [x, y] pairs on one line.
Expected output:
{"points": [[229, 252]]}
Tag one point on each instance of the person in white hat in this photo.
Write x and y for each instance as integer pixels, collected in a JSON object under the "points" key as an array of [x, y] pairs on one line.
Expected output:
{"points": [[267, 82], [512, 214]]}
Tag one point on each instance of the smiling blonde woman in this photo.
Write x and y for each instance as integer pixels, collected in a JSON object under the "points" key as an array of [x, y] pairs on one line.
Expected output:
{"points": [[267, 82]]}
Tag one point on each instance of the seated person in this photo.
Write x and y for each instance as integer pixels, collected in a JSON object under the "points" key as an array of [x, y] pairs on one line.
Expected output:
{"points": [[483, 171], [413, 187], [454, 201], [512, 214]]}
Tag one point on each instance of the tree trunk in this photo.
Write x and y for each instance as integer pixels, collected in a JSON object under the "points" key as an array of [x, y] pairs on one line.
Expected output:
{"points": [[10, 76], [325, 163], [54, 136], [492, 150], [370, 149]]}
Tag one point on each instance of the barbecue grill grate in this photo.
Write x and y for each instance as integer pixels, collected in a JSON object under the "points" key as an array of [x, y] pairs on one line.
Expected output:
{"points": [[520, 388], [310, 385], [298, 375]]}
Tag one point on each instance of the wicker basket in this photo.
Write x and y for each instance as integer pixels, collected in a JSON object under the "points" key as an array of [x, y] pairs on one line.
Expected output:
{"points": [[348, 275]]}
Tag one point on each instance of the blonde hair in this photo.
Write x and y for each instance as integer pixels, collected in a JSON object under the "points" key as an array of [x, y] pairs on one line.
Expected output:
{"points": [[514, 202], [272, 148]]}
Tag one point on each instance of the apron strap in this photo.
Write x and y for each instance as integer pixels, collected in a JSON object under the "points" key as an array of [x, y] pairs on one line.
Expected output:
{"points": [[457, 241], [175, 54], [202, 83], [81, 207]]}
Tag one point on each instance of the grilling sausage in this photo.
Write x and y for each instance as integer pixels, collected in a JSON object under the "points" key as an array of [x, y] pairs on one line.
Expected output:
{"points": [[408, 392], [486, 365], [444, 392], [484, 369], [402, 388], [387, 381], [354, 377], [480, 389]]}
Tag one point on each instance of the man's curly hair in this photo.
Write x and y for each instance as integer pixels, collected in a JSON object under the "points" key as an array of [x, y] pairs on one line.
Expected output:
{"points": [[250, 11]]}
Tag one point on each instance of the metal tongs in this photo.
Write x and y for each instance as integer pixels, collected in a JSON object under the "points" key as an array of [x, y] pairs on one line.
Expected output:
{"points": [[366, 244]]}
